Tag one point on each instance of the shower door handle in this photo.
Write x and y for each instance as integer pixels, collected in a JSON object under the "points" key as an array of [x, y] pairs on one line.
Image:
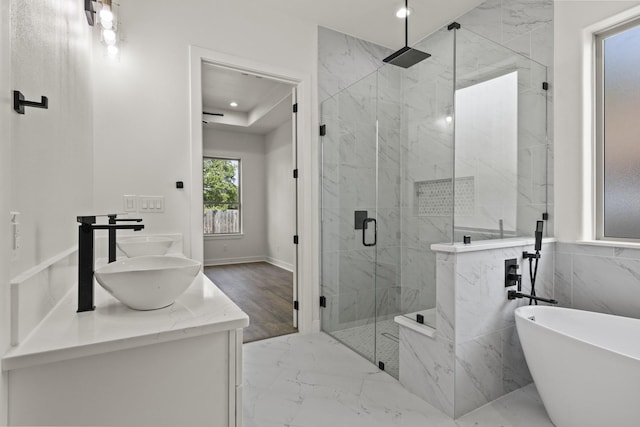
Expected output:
{"points": [[364, 231]]}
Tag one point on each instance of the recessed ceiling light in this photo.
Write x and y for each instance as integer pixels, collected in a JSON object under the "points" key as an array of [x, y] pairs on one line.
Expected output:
{"points": [[233, 104], [403, 12]]}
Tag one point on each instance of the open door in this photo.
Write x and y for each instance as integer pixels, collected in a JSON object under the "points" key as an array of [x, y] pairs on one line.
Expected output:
{"points": [[294, 122]]}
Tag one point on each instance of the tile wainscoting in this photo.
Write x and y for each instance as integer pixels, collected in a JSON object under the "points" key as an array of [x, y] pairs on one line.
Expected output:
{"points": [[605, 279]]}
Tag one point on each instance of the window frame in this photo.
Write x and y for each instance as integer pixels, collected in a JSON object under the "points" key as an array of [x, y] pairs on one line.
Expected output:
{"points": [[240, 231], [599, 113]]}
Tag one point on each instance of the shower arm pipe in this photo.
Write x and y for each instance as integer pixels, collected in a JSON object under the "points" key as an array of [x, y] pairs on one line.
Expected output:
{"points": [[406, 22]]}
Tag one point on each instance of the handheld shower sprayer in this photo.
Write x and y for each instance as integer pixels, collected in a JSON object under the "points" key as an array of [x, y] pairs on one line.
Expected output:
{"points": [[538, 234], [533, 271]]}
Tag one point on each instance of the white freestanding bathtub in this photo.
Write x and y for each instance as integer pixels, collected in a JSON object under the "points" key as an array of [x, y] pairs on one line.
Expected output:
{"points": [[585, 365]]}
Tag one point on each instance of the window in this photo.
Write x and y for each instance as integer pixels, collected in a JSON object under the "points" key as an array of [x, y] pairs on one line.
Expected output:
{"points": [[618, 132], [221, 185]]}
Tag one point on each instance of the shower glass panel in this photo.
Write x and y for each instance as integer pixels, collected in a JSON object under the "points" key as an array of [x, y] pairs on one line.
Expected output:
{"points": [[387, 148], [426, 174], [455, 145], [501, 160], [349, 181]]}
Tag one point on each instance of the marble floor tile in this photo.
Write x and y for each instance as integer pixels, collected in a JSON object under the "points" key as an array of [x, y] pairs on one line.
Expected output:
{"points": [[313, 380]]}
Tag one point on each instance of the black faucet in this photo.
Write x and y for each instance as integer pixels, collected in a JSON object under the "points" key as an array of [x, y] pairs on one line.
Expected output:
{"points": [[86, 255], [113, 219], [518, 294]]}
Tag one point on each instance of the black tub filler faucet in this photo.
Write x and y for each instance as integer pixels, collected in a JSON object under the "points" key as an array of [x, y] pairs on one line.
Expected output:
{"points": [[86, 253]]}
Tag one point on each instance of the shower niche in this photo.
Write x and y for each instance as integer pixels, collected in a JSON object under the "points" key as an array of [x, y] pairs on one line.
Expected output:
{"points": [[455, 145]]}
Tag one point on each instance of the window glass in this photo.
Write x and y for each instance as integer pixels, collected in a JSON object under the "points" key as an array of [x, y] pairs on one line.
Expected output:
{"points": [[221, 185], [619, 129]]}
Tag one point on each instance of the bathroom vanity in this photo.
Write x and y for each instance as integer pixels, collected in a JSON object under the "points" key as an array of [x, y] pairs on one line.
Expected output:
{"points": [[181, 365]]}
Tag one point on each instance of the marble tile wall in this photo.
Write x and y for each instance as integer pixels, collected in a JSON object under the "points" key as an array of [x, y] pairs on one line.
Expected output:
{"points": [[415, 132], [427, 155], [359, 281], [476, 355], [343, 60], [598, 278], [489, 359], [427, 365]]}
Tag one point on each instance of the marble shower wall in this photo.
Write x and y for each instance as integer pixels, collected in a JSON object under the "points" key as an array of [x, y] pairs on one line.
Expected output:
{"points": [[343, 60], [348, 184], [475, 356], [489, 359], [359, 282], [426, 169], [526, 27]]}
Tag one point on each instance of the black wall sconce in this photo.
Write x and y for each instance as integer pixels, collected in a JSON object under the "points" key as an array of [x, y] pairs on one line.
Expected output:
{"points": [[106, 17], [19, 102], [90, 12]]}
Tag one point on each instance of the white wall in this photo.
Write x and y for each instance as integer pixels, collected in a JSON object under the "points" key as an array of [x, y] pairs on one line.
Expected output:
{"points": [[572, 128], [5, 185], [280, 190], [142, 108], [51, 149], [142, 101], [45, 155], [249, 148]]}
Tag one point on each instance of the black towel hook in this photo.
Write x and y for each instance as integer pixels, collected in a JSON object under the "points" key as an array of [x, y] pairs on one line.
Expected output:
{"points": [[19, 102]]}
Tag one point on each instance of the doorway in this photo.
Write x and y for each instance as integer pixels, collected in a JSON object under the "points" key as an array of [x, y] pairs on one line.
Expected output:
{"points": [[249, 195]]}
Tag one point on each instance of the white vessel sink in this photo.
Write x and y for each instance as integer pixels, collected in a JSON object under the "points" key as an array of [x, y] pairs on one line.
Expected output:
{"points": [[144, 245], [148, 282]]}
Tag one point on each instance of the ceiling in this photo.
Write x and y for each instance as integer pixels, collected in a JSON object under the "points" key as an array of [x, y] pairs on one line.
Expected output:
{"points": [[263, 103], [375, 20]]}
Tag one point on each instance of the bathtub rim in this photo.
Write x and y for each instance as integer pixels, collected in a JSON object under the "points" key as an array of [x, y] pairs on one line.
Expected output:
{"points": [[523, 309]]}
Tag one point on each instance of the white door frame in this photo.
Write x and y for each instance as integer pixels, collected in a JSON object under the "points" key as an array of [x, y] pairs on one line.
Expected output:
{"points": [[307, 197]]}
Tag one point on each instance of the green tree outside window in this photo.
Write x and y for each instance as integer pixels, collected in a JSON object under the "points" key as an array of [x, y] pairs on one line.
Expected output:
{"points": [[221, 184]]}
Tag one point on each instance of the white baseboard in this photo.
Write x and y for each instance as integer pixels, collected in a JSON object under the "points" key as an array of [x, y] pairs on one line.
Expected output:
{"points": [[279, 263], [239, 260]]}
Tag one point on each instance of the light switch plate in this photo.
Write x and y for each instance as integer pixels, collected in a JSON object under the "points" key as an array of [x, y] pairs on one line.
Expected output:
{"points": [[151, 204], [129, 203]]}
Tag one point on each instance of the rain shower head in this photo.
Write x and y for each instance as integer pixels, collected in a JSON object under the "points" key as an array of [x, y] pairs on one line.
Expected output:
{"points": [[407, 56]]}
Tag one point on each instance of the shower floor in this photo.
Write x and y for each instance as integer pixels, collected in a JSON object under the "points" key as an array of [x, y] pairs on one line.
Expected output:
{"points": [[361, 339], [386, 334]]}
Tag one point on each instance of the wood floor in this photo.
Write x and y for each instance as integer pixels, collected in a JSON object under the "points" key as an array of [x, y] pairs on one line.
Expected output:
{"points": [[263, 291]]}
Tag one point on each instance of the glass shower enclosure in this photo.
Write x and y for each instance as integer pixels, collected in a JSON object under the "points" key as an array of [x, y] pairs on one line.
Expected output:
{"points": [[455, 145]]}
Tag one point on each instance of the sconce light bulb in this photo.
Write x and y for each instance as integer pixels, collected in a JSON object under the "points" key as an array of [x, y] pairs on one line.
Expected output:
{"points": [[107, 25], [112, 50], [448, 119], [109, 36], [106, 15]]}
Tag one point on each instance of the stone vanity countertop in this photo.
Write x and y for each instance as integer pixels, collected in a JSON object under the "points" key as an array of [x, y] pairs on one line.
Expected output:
{"points": [[64, 334]]}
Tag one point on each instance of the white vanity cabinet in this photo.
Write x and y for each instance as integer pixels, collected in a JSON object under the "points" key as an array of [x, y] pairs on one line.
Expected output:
{"points": [[178, 366]]}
